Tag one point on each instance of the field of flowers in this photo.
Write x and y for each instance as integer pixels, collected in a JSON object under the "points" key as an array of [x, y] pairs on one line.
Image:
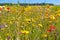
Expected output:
{"points": [[29, 22]]}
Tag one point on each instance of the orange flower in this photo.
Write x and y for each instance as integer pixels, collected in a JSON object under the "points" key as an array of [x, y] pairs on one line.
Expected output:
{"points": [[0, 9], [7, 9], [47, 14]]}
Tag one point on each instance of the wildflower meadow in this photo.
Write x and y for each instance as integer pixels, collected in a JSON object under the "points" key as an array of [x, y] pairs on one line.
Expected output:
{"points": [[30, 22]]}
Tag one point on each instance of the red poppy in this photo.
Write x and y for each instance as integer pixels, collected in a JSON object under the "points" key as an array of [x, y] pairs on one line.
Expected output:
{"points": [[0, 9], [49, 30], [52, 27]]}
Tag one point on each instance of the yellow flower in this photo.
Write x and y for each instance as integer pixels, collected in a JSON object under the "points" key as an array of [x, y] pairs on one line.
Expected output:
{"points": [[58, 11], [0, 6], [28, 8], [44, 35], [11, 22], [24, 31], [40, 25], [13, 18], [28, 19], [58, 14], [52, 17], [6, 25], [7, 34]]}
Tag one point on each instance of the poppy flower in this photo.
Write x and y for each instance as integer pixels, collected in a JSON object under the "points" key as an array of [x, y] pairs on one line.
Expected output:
{"points": [[0, 9], [52, 27], [49, 30]]}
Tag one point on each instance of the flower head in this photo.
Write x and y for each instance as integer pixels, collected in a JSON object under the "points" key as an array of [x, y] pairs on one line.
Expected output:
{"points": [[7, 9], [2, 26], [58, 11], [52, 27], [0, 9], [24, 31], [40, 25], [28, 20], [8, 34], [44, 35], [49, 30], [58, 14], [52, 17]]}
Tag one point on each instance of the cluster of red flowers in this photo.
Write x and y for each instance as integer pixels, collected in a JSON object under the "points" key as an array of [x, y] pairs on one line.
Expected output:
{"points": [[52, 28]]}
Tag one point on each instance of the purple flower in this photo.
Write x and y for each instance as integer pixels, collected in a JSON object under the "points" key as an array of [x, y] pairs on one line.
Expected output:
{"points": [[2, 26]]}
